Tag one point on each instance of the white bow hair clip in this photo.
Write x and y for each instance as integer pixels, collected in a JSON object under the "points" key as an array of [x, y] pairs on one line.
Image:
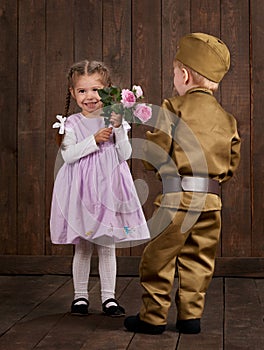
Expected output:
{"points": [[60, 124]]}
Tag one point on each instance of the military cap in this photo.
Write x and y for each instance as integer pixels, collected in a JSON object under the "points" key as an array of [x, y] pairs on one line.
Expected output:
{"points": [[205, 54]]}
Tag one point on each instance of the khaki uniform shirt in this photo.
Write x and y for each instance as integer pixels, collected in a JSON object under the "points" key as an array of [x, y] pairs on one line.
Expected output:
{"points": [[193, 136]]}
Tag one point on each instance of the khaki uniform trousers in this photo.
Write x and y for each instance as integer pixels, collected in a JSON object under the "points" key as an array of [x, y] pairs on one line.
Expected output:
{"points": [[192, 253]]}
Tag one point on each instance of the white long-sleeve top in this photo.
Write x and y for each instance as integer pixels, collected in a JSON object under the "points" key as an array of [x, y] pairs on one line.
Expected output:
{"points": [[72, 151]]}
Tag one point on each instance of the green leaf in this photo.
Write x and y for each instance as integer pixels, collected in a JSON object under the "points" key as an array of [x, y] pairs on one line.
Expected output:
{"points": [[114, 90], [118, 108]]}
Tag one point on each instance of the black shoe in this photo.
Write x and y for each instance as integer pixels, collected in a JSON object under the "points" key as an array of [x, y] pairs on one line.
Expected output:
{"points": [[113, 310], [134, 324], [191, 326], [81, 309]]}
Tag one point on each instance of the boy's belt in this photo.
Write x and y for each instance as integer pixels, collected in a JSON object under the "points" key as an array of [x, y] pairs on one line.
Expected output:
{"points": [[190, 184]]}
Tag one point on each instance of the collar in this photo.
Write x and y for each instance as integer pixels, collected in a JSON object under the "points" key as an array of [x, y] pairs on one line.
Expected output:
{"points": [[201, 90]]}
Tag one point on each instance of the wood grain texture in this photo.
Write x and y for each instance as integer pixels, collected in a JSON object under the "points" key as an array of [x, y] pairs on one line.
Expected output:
{"points": [[243, 312], [38, 317], [235, 29], [88, 22], [31, 128], [8, 126], [116, 37], [257, 127], [126, 265]]}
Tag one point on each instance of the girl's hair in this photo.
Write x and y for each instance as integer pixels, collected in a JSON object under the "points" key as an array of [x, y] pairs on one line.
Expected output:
{"points": [[84, 67], [198, 78]]}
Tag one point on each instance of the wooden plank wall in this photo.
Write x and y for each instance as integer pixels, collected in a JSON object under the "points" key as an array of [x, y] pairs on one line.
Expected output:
{"points": [[137, 39]]}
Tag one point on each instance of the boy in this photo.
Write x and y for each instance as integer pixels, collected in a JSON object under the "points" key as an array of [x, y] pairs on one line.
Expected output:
{"points": [[194, 148]]}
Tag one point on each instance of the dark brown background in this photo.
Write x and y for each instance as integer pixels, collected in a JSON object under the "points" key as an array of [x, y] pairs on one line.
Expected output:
{"points": [[137, 39]]}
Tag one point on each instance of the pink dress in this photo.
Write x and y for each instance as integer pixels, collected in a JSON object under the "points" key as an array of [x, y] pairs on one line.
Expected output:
{"points": [[94, 198]]}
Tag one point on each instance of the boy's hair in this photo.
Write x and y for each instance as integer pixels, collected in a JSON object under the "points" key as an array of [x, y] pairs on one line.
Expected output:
{"points": [[84, 67], [198, 79]]}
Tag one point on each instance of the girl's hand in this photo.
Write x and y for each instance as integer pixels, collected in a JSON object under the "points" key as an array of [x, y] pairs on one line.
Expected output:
{"points": [[116, 119], [103, 135]]}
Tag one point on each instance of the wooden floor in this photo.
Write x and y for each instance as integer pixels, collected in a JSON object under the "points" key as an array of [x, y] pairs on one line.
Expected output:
{"points": [[34, 314]]}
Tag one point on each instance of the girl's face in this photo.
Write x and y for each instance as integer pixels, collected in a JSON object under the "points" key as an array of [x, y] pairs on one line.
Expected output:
{"points": [[85, 93]]}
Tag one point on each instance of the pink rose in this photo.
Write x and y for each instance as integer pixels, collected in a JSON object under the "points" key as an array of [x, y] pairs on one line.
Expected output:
{"points": [[138, 91], [128, 98], [143, 112]]}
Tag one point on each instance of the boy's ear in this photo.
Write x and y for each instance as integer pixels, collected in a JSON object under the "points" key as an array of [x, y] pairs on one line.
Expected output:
{"points": [[186, 75]]}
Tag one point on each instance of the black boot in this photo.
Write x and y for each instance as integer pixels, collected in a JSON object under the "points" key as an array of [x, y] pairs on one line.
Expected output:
{"points": [[191, 326], [134, 324]]}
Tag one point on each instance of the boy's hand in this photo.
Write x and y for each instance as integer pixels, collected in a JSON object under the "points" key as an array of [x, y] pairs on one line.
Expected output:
{"points": [[103, 135], [116, 119]]}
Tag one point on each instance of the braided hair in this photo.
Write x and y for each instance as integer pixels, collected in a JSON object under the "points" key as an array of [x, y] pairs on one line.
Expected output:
{"points": [[84, 67]]}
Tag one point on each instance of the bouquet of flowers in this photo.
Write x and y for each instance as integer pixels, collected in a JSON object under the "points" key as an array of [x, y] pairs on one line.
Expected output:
{"points": [[124, 102]]}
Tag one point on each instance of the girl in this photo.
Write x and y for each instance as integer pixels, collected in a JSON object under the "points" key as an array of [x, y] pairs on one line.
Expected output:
{"points": [[94, 200]]}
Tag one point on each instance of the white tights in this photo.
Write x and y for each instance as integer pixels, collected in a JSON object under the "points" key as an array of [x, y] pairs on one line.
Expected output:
{"points": [[81, 270]]}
